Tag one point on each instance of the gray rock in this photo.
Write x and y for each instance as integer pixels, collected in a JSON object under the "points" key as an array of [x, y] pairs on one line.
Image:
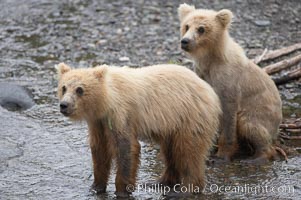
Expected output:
{"points": [[14, 97]]}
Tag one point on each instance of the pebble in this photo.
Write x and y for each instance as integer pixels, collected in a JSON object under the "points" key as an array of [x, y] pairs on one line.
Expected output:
{"points": [[262, 22], [124, 59], [101, 42], [289, 85], [119, 31], [91, 45]]}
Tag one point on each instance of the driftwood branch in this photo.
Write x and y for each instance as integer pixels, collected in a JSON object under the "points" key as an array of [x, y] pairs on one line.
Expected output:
{"points": [[293, 75], [293, 131], [284, 64], [290, 126], [259, 58], [285, 136], [290, 130], [277, 53]]}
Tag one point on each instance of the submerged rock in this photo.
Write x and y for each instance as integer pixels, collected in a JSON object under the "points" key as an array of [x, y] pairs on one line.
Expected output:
{"points": [[15, 97]]}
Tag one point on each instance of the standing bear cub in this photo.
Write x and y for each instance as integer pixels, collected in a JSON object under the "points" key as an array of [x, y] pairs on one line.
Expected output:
{"points": [[250, 100], [166, 103]]}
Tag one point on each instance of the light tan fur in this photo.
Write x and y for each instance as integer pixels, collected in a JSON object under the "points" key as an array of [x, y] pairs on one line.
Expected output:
{"points": [[250, 100], [166, 103]]}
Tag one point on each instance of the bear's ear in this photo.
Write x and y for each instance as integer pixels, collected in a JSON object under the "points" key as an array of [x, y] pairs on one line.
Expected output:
{"points": [[62, 68], [184, 9], [99, 71], [224, 17]]}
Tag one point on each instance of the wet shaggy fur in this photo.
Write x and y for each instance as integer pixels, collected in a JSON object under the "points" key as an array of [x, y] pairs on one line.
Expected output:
{"points": [[250, 100], [166, 103]]}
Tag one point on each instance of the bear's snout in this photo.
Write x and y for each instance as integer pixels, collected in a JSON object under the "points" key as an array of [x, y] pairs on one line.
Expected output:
{"points": [[64, 107], [185, 44]]}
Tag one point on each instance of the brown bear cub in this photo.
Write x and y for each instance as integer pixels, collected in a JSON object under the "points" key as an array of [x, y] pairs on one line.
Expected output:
{"points": [[250, 100], [167, 103]]}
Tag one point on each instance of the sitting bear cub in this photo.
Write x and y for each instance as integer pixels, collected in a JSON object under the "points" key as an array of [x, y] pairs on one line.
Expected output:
{"points": [[250, 100], [166, 103]]}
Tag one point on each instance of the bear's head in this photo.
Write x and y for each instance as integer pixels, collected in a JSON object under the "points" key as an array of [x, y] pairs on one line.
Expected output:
{"points": [[81, 91], [202, 30]]}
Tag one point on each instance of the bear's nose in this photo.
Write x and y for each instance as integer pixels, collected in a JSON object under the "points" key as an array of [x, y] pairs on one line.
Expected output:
{"points": [[63, 107], [184, 43]]}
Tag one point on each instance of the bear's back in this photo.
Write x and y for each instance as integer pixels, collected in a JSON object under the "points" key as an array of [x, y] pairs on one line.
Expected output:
{"points": [[166, 98]]}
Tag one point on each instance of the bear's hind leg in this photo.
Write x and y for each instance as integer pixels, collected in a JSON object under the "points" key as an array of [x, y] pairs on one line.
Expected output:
{"points": [[171, 175], [261, 141], [185, 162]]}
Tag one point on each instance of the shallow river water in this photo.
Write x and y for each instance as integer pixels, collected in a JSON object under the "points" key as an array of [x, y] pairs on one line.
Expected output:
{"points": [[45, 156]]}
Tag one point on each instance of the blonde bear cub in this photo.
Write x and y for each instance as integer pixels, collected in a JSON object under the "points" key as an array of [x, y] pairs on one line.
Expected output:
{"points": [[252, 109], [167, 103]]}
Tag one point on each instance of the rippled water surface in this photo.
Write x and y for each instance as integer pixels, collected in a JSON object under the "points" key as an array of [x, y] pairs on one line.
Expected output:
{"points": [[44, 156]]}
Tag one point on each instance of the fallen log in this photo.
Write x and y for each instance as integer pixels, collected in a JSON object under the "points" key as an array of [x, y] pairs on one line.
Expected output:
{"points": [[284, 64], [285, 136], [293, 130], [297, 120], [265, 56], [290, 126], [293, 75]]}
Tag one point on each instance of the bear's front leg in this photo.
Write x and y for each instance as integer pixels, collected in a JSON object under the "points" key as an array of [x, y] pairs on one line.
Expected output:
{"points": [[227, 141], [101, 143], [128, 151]]}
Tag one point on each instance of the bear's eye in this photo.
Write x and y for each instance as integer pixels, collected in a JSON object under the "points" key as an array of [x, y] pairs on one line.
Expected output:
{"points": [[186, 28], [79, 91], [201, 30], [64, 89]]}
